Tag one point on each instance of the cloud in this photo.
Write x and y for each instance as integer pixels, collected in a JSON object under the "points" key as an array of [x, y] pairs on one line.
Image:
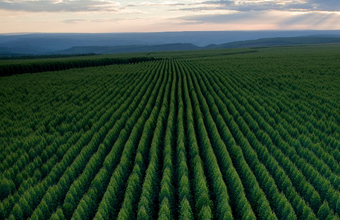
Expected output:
{"points": [[115, 6], [326, 5], [150, 4], [279, 19], [261, 5], [58, 5], [239, 17], [72, 21], [149, 14]]}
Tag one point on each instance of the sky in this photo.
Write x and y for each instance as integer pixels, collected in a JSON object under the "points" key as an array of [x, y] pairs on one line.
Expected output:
{"points": [[110, 16]]}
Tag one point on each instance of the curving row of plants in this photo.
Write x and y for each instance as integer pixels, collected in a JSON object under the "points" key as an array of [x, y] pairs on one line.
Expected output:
{"points": [[236, 137]]}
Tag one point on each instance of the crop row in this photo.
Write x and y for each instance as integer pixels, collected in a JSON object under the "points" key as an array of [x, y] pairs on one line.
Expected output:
{"points": [[169, 139]]}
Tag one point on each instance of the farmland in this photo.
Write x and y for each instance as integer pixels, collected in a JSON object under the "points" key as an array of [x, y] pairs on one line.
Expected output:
{"points": [[218, 134]]}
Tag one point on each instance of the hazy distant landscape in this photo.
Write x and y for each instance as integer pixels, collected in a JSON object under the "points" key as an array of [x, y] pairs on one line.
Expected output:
{"points": [[39, 44]]}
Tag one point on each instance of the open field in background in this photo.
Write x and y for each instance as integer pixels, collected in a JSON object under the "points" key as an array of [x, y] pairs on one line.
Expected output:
{"points": [[218, 134]]}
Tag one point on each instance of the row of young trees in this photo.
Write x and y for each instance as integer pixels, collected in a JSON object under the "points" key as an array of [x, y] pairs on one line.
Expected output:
{"points": [[302, 146], [87, 136], [64, 64], [249, 153], [219, 132], [270, 132], [34, 154], [124, 166], [185, 203], [112, 165], [169, 139]]}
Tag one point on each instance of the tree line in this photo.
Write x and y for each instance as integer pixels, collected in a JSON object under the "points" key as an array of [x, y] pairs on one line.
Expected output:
{"points": [[57, 65]]}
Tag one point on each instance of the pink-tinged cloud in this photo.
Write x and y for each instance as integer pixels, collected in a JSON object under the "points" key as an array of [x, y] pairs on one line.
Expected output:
{"points": [[269, 20], [158, 15]]}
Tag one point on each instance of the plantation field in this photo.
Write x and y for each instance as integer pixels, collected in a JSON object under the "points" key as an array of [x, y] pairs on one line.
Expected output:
{"points": [[220, 134]]}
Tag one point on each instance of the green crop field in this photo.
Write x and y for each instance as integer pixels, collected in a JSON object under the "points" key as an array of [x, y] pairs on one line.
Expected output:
{"points": [[219, 134]]}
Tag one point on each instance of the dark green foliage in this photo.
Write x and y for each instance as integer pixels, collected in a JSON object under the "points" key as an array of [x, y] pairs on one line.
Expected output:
{"points": [[7, 187], [57, 65], [324, 212], [209, 135]]}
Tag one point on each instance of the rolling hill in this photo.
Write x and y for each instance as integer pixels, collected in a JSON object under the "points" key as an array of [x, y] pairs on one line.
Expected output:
{"points": [[147, 42]]}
